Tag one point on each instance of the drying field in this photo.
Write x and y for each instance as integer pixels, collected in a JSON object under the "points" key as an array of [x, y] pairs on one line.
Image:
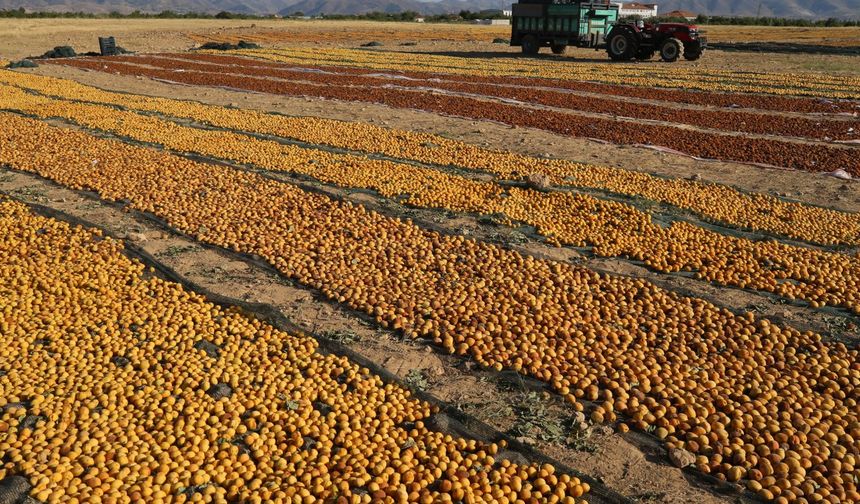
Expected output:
{"points": [[142, 391], [661, 304], [483, 91], [352, 32], [841, 37]]}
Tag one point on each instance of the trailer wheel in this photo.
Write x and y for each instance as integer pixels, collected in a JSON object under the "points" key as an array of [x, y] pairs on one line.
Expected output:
{"points": [[530, 45], [558, 48], [671, 50], [622, 46]]}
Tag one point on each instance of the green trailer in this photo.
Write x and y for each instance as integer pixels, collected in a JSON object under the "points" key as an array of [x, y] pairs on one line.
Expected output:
{"points": [[558, 24]]}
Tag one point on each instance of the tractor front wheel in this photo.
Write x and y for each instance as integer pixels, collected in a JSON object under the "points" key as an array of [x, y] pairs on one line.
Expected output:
{"points": [[530, 45], [645, 53], [622, 46], [558, 48], [693, 53], [671, 50]]}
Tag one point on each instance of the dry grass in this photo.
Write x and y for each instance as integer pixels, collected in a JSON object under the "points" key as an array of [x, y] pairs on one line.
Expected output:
{"points": [[839, 37], [355, 32]]}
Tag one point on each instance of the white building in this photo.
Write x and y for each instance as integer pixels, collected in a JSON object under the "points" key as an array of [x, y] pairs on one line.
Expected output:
{"points": [[636, 9], [493, 22], [507, 13]]}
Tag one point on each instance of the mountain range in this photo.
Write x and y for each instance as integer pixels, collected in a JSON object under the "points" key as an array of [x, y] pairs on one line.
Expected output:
{"points": [[810, 9], [845, 9], [317, 7]]}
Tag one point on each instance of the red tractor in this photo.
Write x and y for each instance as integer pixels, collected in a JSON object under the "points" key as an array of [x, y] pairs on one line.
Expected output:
{"points": [[627, 41]]}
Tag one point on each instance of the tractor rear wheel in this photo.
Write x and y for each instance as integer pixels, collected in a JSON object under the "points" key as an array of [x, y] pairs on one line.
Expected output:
{"points": [[530, 45], [558, 48], [670, 50], [622, 45]]}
